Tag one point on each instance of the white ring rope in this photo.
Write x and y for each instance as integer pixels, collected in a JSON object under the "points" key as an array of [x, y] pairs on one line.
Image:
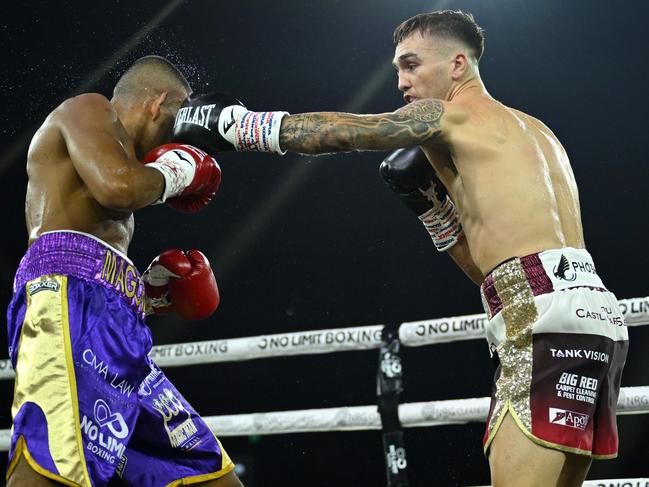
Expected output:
{"points": [[643, 482], [632, 400], [411, 334]]}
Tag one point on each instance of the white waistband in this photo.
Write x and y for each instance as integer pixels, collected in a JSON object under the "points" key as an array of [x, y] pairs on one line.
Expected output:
{"points": [[569, 267]]}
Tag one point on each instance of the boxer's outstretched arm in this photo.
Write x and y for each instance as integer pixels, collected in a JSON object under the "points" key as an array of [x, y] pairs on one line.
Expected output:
{"points": [[322, 132], [216, 122]]}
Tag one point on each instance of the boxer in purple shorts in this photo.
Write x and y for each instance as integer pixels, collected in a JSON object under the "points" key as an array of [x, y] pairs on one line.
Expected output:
{"points": [[90, 407]]}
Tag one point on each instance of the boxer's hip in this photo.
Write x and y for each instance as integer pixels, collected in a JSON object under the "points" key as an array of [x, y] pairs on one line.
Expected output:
{"points": [[81, 256], [555, 291]]}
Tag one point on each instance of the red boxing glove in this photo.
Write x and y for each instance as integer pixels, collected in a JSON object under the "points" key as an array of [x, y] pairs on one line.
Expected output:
{"points": [[169, 264], [192, 177], [195, 296], [182, 282]]}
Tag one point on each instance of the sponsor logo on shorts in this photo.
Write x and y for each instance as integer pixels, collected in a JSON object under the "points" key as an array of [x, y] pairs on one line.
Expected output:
{"points": [[181, 430], [603, 314], [104, 443], [562, 270], [113, 421], [577, 388], [580, 353], [121, 466], [37, 287], [566, 270], [571, 419], [151, 381], [123, 278], [112, 378]]}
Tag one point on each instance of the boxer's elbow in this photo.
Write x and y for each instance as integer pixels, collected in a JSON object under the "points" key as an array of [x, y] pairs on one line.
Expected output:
{"points": [[119, 194]]}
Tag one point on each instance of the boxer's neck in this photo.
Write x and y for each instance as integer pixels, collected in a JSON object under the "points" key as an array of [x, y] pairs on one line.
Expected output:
{"points": [[472, 84], [131, 119]]}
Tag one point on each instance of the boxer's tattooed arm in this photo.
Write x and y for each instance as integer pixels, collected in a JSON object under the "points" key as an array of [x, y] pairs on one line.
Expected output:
{"points": [[322, 132]]}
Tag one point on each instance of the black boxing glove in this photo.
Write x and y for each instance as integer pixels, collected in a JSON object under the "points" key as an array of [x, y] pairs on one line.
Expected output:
{"points": [[197, 121], [410, 175], [216, 122]]}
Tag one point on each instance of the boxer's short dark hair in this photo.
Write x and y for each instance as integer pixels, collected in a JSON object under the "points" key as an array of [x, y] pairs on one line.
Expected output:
{"points": [[450, 24], [153, 69]]}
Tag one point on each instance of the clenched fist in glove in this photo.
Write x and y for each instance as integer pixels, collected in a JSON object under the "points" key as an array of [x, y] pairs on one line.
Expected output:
{"points": [[182, 282], [191, 176], [413, 179], [216, 122]]}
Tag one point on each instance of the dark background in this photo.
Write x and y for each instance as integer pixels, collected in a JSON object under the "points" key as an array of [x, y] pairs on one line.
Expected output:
{"points": [[304, 244]]}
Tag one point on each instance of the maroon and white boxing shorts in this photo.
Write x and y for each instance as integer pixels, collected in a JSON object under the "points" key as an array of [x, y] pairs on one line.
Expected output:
{"points": [[561, 342]]}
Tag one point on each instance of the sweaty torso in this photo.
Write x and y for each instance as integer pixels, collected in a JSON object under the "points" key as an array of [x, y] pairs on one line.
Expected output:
{"points": [[57, 198], [511, 181]]}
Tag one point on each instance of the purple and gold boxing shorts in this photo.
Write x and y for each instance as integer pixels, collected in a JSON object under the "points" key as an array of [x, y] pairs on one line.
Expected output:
{"points": [[89, 404], [560, 341]]}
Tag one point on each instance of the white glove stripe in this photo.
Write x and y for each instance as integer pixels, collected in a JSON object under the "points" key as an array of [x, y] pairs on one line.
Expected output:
{"points": [[443, 225], [254, 131], [178, 169], [158, 275]]}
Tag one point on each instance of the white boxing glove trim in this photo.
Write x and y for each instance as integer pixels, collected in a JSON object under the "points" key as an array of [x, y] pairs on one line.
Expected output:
{"points": [[443, 225], [158, 275], [251, 131], [178, 169]]}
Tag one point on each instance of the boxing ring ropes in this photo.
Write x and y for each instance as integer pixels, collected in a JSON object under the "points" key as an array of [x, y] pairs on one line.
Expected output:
{"points": [[390, 415]]}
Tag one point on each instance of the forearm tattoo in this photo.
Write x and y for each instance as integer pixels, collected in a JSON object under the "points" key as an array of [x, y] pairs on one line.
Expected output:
{"points": [[322, 132]]}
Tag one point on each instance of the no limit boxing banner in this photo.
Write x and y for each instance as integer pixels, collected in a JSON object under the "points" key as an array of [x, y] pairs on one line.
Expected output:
{"points": [[389, 387]]}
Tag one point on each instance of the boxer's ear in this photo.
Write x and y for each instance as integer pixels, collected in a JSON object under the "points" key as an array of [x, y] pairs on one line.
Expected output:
{"points": [[155, 105], [460, 65]]}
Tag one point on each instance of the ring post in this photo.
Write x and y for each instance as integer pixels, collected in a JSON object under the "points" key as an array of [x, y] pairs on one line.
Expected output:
{"points": [[389, 387]]}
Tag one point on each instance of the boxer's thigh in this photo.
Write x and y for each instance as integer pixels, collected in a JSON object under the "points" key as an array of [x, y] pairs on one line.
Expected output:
{"points": [[228, 480], [24, 476], [516, 461], [171, 442]]}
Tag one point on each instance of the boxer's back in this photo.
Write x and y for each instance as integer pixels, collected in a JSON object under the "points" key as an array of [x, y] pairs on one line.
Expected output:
{"points": [[58, 199], [514, 186]]}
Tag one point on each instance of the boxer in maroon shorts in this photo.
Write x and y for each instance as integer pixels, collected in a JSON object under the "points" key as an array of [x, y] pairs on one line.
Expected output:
{"points": [[495, 190], [559, 339]]}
